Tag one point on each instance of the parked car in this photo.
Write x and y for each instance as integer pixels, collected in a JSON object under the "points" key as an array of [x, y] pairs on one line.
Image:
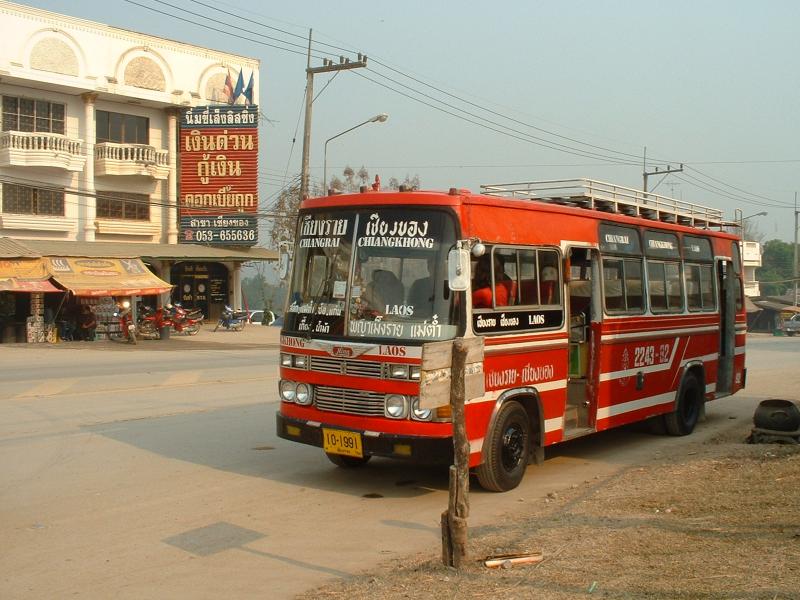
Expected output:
{"points": [[791, 326], [256, 317]]}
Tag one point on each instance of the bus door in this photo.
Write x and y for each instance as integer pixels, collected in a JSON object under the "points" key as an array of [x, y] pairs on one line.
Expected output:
{"points": [[728, 282], [584, 315]]}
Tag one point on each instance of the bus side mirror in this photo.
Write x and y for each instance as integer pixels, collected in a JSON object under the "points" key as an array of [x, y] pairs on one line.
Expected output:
{"points": [[458, 269], [283, 264]]}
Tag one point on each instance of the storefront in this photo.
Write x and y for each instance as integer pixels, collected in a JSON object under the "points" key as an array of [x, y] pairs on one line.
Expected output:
{"points": [[94, 273], [201, 285], [26, 301], [100, 282]]}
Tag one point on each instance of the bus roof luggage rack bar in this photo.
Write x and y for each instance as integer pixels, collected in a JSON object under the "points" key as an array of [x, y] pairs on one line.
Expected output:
{"points": [[610, 198]]}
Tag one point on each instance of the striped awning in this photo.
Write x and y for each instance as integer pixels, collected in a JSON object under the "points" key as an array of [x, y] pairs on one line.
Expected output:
{"points": [[25, 275], [105, 276]]}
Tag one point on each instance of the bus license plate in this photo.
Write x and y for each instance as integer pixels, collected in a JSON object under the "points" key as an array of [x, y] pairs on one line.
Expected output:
{"points": [[346, 443]]}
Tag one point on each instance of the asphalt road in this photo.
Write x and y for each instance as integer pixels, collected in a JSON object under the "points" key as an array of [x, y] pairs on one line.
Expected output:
{"points": [[155, 471]]}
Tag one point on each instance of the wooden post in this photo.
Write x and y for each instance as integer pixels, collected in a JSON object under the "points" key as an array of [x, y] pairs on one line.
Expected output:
{"points": [[454, 519]]}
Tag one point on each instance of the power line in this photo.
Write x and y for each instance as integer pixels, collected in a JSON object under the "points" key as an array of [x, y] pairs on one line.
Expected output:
{"points": [[492, 125]]}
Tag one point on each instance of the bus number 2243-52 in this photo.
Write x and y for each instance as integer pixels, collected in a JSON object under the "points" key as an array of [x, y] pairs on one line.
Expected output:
{"points": [[644, 356]]}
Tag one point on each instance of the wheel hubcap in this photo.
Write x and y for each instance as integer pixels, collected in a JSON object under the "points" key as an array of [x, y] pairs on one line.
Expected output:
{"points": [[513, 447]]}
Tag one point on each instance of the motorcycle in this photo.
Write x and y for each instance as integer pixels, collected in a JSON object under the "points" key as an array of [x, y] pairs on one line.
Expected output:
{"points": [[151, 321], [231, 319], [183, 321], [127, 328]]}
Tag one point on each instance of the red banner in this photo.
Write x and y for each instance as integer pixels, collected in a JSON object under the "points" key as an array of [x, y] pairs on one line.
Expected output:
{"points": [[219, 175]]}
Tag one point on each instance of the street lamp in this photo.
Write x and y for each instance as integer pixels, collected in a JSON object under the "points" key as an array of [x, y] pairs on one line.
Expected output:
{"points": [[740, 219], [381, 118]]}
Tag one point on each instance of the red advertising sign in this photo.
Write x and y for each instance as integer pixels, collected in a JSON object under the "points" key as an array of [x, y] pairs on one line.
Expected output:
{"points": [[219, 175]]}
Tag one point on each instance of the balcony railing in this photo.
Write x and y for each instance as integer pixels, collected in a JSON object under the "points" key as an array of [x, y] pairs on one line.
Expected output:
{"points": [[130, 159], [41, 149]]}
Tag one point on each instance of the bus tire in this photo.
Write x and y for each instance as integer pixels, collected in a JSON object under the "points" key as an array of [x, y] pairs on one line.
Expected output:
{"points": [[347, 462], [682, 420], [507, 451]]}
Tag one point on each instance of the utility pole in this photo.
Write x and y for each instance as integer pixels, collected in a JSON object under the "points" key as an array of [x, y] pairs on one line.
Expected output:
{"points": [[327, 67], [658, 171], [794, 264]]}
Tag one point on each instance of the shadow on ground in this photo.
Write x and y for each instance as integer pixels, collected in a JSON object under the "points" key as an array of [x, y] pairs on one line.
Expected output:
{"points": [[242, 440]]}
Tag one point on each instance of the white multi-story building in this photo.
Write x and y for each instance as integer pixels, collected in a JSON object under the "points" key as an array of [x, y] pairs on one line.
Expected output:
{"points": [[751, 260], [89, 141]]}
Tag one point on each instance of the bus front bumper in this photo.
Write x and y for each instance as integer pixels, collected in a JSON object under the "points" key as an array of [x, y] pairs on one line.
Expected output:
{"points": [[428, 450]]}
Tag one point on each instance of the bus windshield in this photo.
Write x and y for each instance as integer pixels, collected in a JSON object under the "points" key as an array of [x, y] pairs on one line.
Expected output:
{"points": [[373, 273]]}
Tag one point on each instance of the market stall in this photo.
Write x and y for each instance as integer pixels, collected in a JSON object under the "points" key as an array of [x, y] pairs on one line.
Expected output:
{"points": [[23, 285], [98, 281]]}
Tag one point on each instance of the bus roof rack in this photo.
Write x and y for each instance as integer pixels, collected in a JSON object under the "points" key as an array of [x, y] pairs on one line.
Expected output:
{"points": [[607, 197]]}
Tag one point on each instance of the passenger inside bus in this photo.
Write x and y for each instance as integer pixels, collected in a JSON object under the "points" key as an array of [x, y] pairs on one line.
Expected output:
{"points": [[482, 284], [385, 289]]}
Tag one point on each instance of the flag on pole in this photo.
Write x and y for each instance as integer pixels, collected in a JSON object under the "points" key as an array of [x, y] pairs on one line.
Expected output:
{"points": [[228, 89], [248, 91], [237, 91]]}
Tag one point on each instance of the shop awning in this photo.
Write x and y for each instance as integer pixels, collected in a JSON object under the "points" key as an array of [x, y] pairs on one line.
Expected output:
{"points": [[25, 275], [105, 276]]}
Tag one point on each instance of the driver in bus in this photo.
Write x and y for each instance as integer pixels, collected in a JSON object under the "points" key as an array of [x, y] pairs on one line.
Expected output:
{"points": [[422, 292], [384, 290], [482, 284]]}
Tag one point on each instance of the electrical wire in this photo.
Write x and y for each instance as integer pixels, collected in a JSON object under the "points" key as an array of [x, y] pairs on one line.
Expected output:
{"points": [[492, 125]]}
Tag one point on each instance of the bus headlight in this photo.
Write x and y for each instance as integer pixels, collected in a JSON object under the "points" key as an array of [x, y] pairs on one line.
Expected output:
{"points": [[396, 406], [398, 371], [303, 394], [288, 390], [414, 375], [286, 360], [300, 361], [420, 414]]}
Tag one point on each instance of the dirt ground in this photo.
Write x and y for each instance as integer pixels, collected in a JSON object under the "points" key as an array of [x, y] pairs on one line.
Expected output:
{"points": [[721, 520]]}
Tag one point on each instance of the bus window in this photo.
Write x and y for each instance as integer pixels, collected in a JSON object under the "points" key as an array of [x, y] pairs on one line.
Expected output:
{"points": [[548, 277], [490, 284], [507, 275], [664, 286], [699, 273], [529, 278], [622, 283]]}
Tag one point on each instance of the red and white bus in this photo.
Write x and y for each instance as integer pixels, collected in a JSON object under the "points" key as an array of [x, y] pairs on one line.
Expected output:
{"points": [[599, 306]]}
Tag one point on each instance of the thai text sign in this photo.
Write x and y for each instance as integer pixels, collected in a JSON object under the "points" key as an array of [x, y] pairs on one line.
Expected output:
{"points": [[219, 175]]}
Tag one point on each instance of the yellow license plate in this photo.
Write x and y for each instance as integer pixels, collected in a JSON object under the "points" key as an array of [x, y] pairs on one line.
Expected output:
{"points": [[346, 443]]}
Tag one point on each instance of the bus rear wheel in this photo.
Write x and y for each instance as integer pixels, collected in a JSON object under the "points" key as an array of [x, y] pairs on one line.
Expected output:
{"points": [[347, 462], [682, 420], [507, 451]]}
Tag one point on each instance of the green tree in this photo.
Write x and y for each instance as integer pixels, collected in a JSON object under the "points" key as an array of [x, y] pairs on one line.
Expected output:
{"points": [[776, 270]]}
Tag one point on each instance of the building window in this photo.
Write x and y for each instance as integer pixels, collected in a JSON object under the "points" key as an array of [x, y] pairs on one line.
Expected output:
{"points": [[122, 205], [122, 129], [27, 114], [26, 200]]}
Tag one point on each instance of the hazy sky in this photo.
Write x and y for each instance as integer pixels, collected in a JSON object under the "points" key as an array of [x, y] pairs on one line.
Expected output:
{"points": [[713, 84]]}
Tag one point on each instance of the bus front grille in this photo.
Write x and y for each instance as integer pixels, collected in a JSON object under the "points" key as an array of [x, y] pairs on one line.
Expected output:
{"points": [[347, 401], [337, 366]]}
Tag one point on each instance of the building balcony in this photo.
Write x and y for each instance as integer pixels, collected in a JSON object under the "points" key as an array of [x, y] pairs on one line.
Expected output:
{"points": [[112, 159], [37, 222], [39, 149], [752, 289], [127, 227]]}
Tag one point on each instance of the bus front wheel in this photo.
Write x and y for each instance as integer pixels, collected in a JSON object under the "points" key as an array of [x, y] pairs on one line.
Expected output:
{"points": [[347, 462], [508, 449], [682, 420]]}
